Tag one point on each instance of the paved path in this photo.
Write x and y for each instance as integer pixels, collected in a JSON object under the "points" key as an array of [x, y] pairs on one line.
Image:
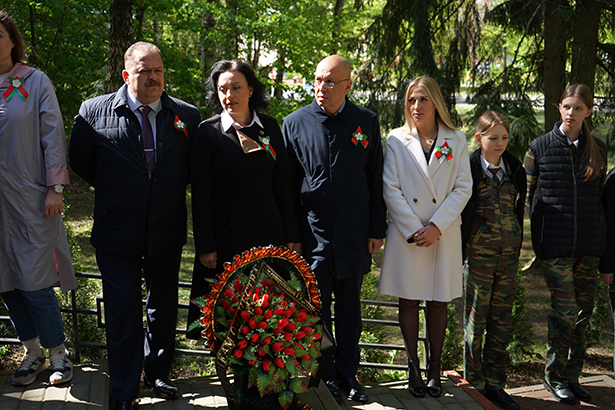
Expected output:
{"points": [[89, 390]]}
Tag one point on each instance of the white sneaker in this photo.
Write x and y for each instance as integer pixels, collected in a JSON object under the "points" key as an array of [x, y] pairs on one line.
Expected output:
{"points": [[61, 370], [30, 366]]}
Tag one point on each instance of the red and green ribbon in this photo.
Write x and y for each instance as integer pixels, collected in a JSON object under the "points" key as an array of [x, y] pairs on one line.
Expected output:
{"points": [[267, 145], [359, 137], [180, 125], [444, 150], [15, 88]]}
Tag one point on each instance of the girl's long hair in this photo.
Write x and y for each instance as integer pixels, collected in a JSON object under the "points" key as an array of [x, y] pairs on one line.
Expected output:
{"points": [[591, 158], [490, 119]]}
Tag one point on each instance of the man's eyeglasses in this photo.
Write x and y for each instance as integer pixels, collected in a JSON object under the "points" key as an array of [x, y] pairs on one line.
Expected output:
{"points": [[327, 84]]}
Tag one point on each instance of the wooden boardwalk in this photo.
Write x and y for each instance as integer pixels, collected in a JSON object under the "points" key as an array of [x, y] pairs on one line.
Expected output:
{"points": [[89, 390]]}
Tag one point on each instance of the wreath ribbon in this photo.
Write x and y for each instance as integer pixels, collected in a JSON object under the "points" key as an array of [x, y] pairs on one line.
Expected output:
{"points": [[15, 88]]}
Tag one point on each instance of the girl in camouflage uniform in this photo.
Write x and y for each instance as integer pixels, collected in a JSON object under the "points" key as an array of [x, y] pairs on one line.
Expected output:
{"points": [[566, 170], [492, 231]]}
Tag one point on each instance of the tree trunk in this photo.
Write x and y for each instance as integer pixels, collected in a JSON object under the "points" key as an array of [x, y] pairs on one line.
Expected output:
{"points": [[337, 25], [585, 43], [33, 56], [278, 91], [120, 38], [554, 59]]}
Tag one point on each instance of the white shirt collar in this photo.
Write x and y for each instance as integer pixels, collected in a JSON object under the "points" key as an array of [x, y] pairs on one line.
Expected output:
{"points": [[486, 164], [228, 121], [134, 103], [576, 143]]}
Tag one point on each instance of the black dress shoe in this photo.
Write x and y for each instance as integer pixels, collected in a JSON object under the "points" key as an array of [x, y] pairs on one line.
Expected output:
{"points": [[579, 392], [162, 388], [502, 399], [334, 390], [355, 391], [563, 394], [126, 405]]}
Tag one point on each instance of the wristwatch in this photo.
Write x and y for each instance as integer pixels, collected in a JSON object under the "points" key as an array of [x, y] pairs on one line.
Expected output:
{"points": [[58, 189]]}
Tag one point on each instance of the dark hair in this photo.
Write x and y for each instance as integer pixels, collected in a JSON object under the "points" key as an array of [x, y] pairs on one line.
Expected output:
{"points": [[591, 157], [258, 101], [17, 52]]}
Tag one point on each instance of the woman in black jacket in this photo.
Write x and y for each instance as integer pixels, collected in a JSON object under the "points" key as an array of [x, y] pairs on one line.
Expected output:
{"points": [[565, 170], [241, 194]]}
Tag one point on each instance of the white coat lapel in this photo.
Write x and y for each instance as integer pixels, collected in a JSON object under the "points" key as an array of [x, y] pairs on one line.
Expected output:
{"points": [[444, 135], [413, 143]]}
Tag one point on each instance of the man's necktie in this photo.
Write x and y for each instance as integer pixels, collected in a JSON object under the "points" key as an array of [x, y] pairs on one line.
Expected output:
{"points": [[147, 137]]}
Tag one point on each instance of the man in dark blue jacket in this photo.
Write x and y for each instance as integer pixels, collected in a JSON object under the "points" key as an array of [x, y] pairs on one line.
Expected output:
{"points": [[132, 146], [335, 158]]}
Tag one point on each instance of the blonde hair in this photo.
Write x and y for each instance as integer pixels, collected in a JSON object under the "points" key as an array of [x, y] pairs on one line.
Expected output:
{"points": [[490, 119], [591, 157], [433, 90]]}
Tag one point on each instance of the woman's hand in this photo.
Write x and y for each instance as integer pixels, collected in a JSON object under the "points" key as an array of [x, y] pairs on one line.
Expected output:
{"points": [[297, 247], [53, 203], [209, 259], [427, 236], [607, 278]]}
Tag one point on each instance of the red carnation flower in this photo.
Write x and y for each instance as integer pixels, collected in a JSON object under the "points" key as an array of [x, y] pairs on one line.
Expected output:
{"points": [[288, 337], [282, 323], [262, 325], [243, 343], [268, 314], [278, 311], [301, 317], [300, 334], [306, 357], [245, 315], [226, 305], [238, 353], [252, 324], [279, 362], [258, 311], [255, 338], [290, 327], [245, 330], [289, 351], [267, 340], [315, 336], [251, 362], [266, 364], [277, 347], [278, 331], [261, 351], [307, 329]]}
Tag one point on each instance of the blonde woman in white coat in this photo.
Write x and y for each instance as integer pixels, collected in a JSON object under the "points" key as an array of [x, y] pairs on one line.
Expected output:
{"points": [[427, 183]]}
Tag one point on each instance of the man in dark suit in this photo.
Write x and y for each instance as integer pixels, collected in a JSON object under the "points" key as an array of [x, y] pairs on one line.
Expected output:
{"points": [[335, 157], [132, 146]]}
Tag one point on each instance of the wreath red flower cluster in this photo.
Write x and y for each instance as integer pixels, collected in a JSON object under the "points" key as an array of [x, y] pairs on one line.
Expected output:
{"points": [[277, 339]]}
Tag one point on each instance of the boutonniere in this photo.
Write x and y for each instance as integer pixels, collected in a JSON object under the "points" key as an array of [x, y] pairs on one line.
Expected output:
{"points": [[264, 139], [15, 88], [359, 137], [180, 125], [445, 151]]}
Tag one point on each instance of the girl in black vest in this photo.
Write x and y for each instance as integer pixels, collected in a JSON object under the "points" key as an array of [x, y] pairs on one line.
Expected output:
{"points": [[565, 170]]}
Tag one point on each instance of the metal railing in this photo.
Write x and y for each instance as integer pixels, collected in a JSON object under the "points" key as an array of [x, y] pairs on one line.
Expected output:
{"points": [[77, 344]]}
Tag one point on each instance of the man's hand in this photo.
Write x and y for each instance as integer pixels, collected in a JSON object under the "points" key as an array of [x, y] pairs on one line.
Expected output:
{"points": [[374, 244], [53, 203], [607, 278], [209, 259], [297, 247]]}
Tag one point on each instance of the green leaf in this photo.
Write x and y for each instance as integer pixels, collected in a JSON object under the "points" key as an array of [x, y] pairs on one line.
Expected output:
{"points": [[298, 385], [285, 398]]}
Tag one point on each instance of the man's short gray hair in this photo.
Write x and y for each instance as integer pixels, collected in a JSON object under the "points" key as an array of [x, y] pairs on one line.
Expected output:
{"points": [[140, 46]]}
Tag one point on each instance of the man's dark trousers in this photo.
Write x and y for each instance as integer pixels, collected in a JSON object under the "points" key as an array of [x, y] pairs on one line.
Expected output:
{"points": [[126, 349]]}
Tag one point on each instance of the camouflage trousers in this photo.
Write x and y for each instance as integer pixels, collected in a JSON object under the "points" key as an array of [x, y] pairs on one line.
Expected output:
{"points": [[489, 287], [572, 283]]}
